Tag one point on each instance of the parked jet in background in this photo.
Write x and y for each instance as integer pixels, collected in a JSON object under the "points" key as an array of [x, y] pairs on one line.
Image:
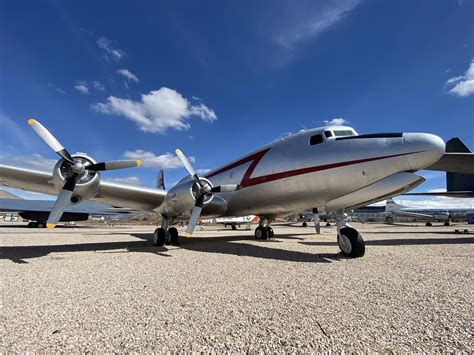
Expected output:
{"points": [[329, 169], [430, 214], [37, 211], [237, 221]]}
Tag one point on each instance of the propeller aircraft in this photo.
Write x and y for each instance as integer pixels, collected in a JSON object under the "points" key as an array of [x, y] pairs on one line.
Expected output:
{"points": [[326, 169]]}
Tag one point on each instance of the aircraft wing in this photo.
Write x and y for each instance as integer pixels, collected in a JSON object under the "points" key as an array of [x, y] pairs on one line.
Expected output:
{"points": [[455, 163], [136, 197]]}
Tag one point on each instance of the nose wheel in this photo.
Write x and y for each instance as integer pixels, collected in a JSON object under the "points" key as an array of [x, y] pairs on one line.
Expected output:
{"points": [[264, 231], [349, 239]]}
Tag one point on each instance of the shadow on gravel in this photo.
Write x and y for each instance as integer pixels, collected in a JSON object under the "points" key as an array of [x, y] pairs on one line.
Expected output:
{"points": [[410, 241], [19, 254], [225, 245], [219, 245]]}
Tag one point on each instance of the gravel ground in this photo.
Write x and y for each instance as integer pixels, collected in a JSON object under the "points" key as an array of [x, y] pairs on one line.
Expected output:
{"points": [[108, 289]]}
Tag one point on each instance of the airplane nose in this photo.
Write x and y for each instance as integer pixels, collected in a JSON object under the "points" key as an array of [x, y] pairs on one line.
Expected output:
{"points": [[429, 149]]}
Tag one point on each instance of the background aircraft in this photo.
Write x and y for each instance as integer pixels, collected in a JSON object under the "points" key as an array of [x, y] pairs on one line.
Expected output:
{"points": [[430, 214], [37, 211], [237, 221], [327, 169]]}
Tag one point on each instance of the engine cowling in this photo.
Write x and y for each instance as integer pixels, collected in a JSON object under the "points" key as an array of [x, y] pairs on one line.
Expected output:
{"points": [[88, 182], [181, 199]]}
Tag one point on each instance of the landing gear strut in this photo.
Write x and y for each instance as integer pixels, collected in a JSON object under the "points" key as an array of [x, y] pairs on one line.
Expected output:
{"points": [[165, 235], [264, 231], [349, 239]]}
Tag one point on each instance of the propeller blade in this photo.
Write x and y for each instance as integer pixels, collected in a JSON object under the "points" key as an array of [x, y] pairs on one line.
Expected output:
{"points": [[188, 166], [63, 200], [113, 165], [194, 216], [50, 140], [225, 188]]}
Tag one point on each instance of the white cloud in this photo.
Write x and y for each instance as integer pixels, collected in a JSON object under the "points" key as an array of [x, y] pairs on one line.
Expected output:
{"points": [[202, 171], [33, 161], [336, 122], [150, 160], [111, 53], [301, 24], [130, 180], [82, 87], [463, 85], [127, 74], [98, 86], [157, 111]]}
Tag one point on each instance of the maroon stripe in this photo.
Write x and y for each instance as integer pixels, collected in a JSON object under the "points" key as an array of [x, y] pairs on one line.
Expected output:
{"points": [[256, 157], [272, 177]]}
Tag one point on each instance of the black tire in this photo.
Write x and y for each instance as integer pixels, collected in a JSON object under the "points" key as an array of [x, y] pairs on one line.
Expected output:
{"points": [[350, 242], [174, 236], [270, 233], [428, 224], [261, 233], [40, 224], [159, 237], [328, 224], [304, 224], [447, 224], [31, 225], [234, 227]]}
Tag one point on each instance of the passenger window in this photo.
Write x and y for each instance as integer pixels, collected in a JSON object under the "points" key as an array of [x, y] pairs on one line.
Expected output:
{"points": [[316, 139], [328, 134]]}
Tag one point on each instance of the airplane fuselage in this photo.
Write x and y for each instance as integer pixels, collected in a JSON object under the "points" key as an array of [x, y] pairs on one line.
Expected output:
{"points": [[312, 168]]}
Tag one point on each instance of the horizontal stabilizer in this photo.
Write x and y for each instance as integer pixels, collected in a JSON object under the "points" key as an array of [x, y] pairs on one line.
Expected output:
{"points": [[455, 162]]}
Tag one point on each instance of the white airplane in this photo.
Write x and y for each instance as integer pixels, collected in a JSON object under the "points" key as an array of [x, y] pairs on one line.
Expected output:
{"points": [[237, 221], [430, 214], [329, 169]]}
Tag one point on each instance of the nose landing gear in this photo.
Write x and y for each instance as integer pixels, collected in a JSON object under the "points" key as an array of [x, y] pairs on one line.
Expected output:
{"points": [[349, 239]]}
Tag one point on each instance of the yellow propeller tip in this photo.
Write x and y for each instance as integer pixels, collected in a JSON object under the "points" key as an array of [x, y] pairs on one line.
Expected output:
{"points": [[31, 121], [187, 235], [50, 225], [178, 151], [139, 162]]}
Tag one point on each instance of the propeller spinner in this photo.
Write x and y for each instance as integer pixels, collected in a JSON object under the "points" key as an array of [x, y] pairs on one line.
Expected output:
{"points": [[78, 170]]}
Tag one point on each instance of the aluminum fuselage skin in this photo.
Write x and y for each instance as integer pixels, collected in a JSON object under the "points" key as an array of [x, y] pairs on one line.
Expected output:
{"points": [[289, 175]]}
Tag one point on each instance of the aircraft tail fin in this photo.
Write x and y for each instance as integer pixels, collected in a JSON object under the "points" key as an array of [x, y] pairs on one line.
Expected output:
{"points": [[458, 181], [391, 205], [160, 180]]}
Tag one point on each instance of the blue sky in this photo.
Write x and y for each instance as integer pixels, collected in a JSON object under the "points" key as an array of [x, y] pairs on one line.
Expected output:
{"points": [[218, 79]]}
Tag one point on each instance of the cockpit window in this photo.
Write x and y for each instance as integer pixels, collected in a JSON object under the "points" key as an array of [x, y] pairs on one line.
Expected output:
{"points": [[343, 133], [328, 134], [316, 139]]}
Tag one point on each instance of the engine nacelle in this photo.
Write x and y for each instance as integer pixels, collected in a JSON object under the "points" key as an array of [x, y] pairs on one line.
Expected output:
{"points": [[181, 199], [88, 182]]}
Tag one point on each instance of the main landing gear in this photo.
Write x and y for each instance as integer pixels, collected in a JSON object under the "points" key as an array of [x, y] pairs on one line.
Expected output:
{"points": [[264, 231], [349, 239], [165, 235]]}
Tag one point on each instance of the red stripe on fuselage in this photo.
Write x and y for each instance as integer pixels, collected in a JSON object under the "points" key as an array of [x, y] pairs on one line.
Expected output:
{"points": [[255, 158]]}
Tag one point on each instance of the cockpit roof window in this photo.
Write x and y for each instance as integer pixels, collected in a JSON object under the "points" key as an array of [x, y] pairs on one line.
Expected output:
{"points": [[328, 134], [343, 133], [316, 139]]}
